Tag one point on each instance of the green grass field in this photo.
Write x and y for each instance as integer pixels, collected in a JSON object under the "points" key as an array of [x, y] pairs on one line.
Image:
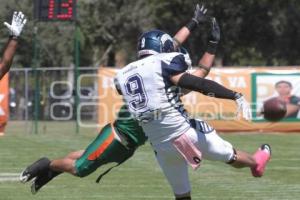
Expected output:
{"points": [[140, 177]]}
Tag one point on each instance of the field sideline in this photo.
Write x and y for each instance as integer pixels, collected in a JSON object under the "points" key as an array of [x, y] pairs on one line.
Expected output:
{"points": [[140, 178]]}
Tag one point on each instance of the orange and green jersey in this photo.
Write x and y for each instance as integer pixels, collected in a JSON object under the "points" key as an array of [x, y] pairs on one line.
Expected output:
{"points": [[130, 127], [106, 148]]}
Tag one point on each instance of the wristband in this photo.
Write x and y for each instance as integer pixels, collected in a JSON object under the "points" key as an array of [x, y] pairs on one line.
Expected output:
{"points": [[212, 47], [205, 68], [192, 25]]}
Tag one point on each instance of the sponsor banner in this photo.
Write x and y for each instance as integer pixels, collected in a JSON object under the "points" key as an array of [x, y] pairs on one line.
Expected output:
{"points": [[258, 84], [109, 100]]}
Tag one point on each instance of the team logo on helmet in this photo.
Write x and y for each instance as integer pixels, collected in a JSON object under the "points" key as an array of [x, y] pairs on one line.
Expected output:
{"points": [[167, 43], [143, 42], [164, 38]]}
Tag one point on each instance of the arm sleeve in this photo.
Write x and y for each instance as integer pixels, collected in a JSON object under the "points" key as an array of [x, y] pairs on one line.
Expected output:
{"points": [[206, 87]]}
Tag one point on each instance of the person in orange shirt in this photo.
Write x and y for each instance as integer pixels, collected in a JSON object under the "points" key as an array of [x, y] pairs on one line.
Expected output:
{"points": [[15, 29]]}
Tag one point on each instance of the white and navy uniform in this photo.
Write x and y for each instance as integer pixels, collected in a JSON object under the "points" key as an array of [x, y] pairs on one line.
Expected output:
{"points": [[155, 101], [152, 98]]}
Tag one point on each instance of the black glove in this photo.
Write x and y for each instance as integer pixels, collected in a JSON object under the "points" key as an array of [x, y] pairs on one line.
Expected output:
{"points": [[214, 37], [199, 17], [199, 14]]}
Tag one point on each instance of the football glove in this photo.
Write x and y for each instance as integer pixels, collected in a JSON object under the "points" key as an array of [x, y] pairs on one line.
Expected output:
{"points": [[200, 14], [17, 24], [214, 37], [243, 107], [215, 34], [199, 17]]}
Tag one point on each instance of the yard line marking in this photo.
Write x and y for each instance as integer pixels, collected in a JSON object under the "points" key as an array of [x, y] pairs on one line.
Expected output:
{"points": [[9, 177]]}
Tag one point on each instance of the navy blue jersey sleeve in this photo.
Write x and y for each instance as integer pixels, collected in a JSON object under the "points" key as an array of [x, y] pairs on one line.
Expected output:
{"points": [[174, 66]]}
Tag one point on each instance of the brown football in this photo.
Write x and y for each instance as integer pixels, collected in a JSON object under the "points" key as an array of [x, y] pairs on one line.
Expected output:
{"points": [[274, 109]]}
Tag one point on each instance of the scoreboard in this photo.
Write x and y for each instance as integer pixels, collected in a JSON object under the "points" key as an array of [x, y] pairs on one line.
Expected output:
{"points": [[55, 10]]}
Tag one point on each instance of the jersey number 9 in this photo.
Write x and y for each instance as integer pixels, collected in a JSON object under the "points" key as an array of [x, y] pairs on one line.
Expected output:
{"points": [[136, 90]]}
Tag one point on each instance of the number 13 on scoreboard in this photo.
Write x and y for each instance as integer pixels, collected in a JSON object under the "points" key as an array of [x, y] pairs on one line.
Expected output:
{"points": [[55, 10]]}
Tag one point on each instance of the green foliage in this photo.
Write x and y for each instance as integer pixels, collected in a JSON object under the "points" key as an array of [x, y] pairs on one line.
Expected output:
{"points": [[263, 32], [116, 23], [253, 32]]}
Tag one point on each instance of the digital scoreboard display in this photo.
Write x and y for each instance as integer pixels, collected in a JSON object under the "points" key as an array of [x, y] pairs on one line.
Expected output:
{"points": [[55, 10]]}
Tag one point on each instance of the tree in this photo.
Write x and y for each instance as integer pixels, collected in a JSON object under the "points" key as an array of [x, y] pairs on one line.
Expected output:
{"points": [[112, 24], [253, 32]]}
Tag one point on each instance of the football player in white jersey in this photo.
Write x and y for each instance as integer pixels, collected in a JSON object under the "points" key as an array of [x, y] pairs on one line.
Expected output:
{"points": [[150, 88]]}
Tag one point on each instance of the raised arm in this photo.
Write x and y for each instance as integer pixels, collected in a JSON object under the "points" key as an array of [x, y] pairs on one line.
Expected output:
{"points": [[198, 18], [15, 29], [206, 61]]}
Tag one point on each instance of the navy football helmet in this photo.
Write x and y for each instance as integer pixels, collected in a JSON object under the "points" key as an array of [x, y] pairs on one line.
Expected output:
{"points": [[154, 42]]}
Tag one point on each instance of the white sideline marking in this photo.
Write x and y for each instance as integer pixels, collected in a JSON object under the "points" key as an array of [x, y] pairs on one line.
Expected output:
{"points": [[9, 177]]}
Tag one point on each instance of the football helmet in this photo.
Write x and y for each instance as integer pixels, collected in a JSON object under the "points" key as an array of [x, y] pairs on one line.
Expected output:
{"points": [[154, 42]]}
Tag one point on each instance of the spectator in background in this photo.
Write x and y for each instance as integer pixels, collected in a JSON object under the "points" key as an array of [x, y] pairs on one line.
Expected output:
{"points": [[284, 90]]}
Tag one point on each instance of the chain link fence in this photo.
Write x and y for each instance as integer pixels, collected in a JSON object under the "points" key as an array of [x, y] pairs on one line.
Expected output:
{"points": [[48, 94]]}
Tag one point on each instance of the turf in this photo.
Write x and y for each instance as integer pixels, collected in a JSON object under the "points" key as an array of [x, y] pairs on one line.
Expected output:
{"points": [[140, 178]]}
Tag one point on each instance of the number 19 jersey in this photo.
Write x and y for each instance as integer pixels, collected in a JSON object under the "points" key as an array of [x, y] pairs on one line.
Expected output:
{"points": [[152, 98]]}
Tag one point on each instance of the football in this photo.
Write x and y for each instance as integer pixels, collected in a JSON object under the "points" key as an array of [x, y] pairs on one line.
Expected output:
{"points": [[274, 109]]}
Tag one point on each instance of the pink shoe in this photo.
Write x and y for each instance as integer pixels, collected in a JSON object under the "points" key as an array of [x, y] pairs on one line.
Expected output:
{"points": [[262, 157]]}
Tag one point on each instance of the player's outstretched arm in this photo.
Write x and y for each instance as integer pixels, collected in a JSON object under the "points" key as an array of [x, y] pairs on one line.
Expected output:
{"points": [[15, 29], [198, 18], [8, 54], [213, 89]]}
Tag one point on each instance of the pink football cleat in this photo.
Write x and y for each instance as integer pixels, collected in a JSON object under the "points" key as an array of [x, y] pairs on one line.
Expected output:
{"points": [[262, 157]]}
